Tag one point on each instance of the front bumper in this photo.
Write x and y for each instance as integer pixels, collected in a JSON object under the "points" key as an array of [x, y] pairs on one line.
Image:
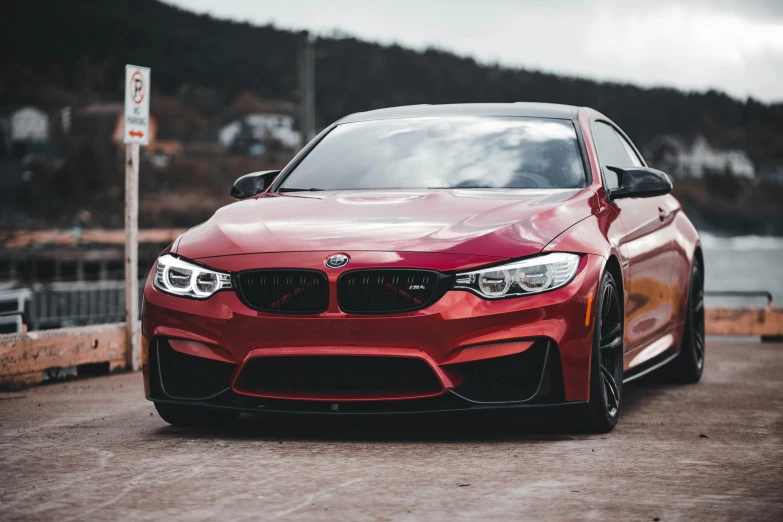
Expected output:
{"points": [[452, 338]]}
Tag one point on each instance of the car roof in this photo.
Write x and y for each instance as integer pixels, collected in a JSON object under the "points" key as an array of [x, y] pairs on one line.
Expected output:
{"points": [[523, 109]]}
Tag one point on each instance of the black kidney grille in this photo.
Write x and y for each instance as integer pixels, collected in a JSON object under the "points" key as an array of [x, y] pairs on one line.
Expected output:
{"points": [[381, 291], [294, 291]]}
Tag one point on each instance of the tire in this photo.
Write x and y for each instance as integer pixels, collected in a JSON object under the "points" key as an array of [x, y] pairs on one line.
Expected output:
{"points": [[606, 363], [194, 416], [688, 367]]}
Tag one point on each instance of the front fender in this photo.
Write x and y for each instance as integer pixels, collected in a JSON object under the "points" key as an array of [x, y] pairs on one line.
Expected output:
{"points": [[599, 234]]}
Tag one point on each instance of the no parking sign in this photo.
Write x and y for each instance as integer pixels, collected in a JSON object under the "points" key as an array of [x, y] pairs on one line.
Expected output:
{"points": [[137, 105]]}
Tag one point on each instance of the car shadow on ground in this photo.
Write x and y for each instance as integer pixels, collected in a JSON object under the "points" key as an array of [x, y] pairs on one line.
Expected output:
{"points": [[505, 425]]}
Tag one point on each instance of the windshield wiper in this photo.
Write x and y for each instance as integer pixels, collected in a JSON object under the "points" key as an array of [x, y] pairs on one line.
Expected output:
{"points": [[286, 189]]}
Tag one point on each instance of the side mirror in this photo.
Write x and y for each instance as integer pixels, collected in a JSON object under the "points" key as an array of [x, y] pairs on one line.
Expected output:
{"points": [[253, 183], [639, 182]]}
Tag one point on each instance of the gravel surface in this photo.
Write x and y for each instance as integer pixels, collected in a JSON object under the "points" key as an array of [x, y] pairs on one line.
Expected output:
{"points": [[95, 449]]}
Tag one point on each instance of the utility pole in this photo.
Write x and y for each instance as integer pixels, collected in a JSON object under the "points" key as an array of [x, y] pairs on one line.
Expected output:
{"points": [[307, 87]]}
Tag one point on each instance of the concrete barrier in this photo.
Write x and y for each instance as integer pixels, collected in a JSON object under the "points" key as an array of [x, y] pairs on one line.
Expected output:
{"points": [[25, 356], [765, 322]]}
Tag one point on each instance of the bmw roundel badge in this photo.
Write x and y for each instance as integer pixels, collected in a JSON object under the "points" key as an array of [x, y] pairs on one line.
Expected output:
{"points": [[337, 261]]}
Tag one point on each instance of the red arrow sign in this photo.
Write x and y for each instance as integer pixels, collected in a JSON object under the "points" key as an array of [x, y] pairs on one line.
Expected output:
{"points": [[136, 134]]}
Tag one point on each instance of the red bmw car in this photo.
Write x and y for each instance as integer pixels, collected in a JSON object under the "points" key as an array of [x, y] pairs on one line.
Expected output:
{"points": [[432, 259]]}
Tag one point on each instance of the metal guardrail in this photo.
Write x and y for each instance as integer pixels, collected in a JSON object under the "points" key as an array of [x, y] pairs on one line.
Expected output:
{"points": [[741, 293], [61, 305]]}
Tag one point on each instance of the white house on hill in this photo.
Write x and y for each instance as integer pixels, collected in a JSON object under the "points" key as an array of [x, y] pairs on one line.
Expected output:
{"points": [[697, 158], [276, 126], [26, 124], [268, 119]]}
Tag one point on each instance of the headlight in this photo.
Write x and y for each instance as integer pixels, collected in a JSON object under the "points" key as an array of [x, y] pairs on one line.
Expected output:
{"points": [[525, 277], [178, 277]]}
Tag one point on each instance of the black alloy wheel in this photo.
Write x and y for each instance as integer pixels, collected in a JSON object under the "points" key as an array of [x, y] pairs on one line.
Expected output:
{"points": [[606, 367], [696, 315], [688, 367], [610, 349]]}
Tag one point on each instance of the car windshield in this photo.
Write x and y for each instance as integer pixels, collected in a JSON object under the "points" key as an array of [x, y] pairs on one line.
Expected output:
{"points": [[443, 152]]}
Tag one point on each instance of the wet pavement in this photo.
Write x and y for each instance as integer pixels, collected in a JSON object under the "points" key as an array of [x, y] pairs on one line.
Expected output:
{"points": [[95, 449]]}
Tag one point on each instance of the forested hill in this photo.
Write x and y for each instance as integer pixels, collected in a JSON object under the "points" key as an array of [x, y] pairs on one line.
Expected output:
{"points": [[82, 46]]}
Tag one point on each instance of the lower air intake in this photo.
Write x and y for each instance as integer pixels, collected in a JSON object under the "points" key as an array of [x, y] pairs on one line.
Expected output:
{"points": [[337, 377], [511, 378], [188, 377]]}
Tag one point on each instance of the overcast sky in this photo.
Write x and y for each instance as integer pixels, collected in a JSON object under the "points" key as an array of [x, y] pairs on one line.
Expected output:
{"points": [[732, 45]]}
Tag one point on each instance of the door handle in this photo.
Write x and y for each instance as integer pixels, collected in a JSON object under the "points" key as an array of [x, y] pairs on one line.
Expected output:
{"points": [[662, 213]]}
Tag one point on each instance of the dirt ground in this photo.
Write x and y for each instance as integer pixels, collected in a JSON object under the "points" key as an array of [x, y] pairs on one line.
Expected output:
{"points": [[94, 449]]}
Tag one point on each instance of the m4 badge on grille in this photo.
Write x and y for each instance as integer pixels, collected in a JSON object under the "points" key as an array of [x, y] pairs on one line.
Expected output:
{"points": [[337, 261], [417, 287]]}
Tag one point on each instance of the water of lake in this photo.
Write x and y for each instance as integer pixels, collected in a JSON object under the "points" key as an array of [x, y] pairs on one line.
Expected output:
{"points": [[743, 263]]}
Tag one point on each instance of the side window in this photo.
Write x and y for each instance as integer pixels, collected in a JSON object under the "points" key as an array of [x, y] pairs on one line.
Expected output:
{"points": [[612, 150], [635, 161]]}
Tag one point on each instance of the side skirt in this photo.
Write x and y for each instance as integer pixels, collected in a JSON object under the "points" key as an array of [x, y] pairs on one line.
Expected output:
{"points": [[653, 365]]}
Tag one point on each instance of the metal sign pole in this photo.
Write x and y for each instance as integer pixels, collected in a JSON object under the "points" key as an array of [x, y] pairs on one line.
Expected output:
{"points": [[132, 349]]}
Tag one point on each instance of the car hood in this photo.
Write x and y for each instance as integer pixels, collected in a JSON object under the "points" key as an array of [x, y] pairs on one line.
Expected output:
{"points": [[499, 223]]}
